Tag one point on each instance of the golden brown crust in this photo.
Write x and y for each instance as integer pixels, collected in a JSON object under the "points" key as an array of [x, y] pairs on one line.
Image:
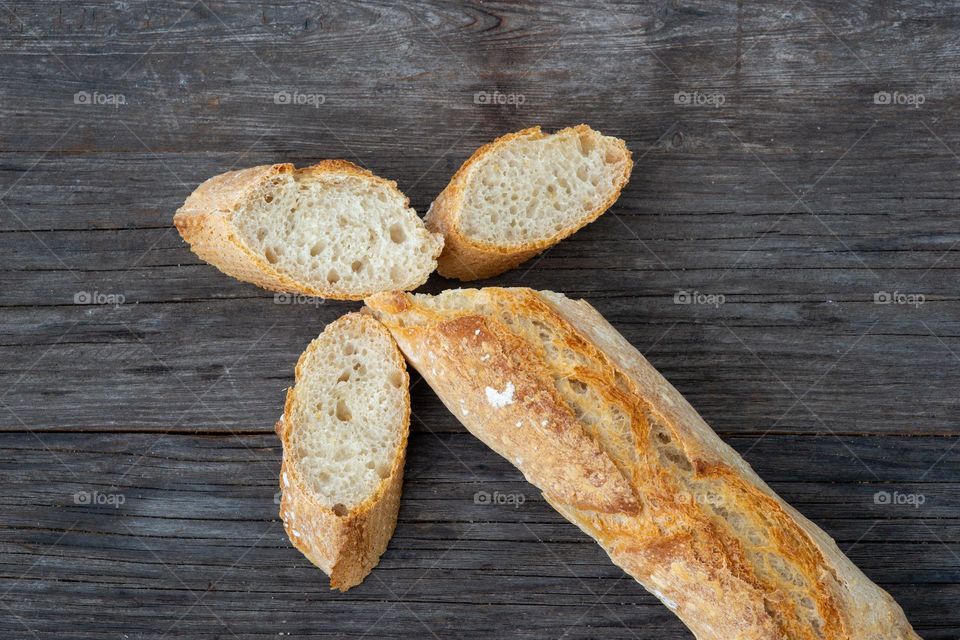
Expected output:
{"points": [[205, 221], [548, 441], [702, 531], [468, 258], [348, 544]]}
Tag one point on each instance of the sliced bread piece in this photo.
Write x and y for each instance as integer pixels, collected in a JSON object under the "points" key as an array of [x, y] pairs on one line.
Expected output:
{"points": [[332, 230], [522, 193], [344, 431]]}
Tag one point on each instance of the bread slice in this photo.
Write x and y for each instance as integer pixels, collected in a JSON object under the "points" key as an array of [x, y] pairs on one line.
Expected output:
{"points": [[522, 193], [550, 385], [344, 431], [332, 230]]}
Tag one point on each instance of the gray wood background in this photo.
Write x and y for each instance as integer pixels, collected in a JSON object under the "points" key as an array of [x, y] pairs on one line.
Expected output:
{"points": [[796, 166]]}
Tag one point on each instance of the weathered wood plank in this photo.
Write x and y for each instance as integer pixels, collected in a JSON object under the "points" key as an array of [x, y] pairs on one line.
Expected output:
{"points": [[807, 367], [196, 512], [436, 56]]}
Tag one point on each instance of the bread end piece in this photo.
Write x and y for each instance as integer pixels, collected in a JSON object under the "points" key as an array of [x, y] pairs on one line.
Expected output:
{"points": [[470, 256], [345, 541], [204, 222], [207, 221]]}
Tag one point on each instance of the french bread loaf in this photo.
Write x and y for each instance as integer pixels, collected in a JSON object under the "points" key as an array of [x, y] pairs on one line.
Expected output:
{"points": [[331, 230], [522, 193], [548, 384], [344, 432]]}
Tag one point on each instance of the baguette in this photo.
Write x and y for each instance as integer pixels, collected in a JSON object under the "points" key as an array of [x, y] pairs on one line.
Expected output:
{"points": [[522, 193], [344, 432], [548, 384], [332, 230]]}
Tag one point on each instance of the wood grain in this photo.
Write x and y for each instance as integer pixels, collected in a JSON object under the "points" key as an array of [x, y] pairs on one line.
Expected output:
{"points": [[798, 199]]}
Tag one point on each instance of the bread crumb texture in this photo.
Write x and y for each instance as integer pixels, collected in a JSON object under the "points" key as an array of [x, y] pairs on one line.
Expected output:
{"points": [[538, 185], [344, 435], [333, 230], [347, 414], [524, 192]]}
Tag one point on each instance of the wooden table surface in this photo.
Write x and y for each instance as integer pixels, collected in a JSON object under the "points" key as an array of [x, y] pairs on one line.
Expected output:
{"points": [[795, 182]]}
